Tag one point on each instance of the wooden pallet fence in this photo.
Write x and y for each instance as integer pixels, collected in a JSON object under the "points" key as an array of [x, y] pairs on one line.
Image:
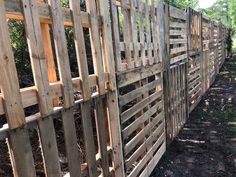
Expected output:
{"points": [[140, 87], [206, 25], [142, 67], [195, 62], [177, 72], [89, 95]]}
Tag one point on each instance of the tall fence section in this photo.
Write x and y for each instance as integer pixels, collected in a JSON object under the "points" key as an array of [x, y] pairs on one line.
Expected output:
{"points": [[149, 66]]}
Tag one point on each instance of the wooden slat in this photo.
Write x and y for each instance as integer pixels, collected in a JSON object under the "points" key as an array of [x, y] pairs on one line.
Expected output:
{"points": [[67, 89], [9, 82], [108, 44], [21, 153], [29, 95], [111, 100], [137, 74], [18, 142], [124, 99], [178, 25], [177, 32], [115, 133], [178, 58], [148, 33], [134, 32], [154, 13], [96, 45], [144, 132], [80, 48], [126, 32], [131, 160], [89, 139], [141, 32], [102, 141], [51, 67], [39, 67], [178, 41], [133, 110], [177, 13], [116, 35], [178, 50], [61, 52], [147, 157], [141, 119], [155, 159]]}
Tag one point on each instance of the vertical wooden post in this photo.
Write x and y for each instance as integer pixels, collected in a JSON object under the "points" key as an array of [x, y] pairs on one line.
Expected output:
{"points": [[39, 67], [67, 88], [163, 35], [111, 97], [18, 141], [96, 44], [201, 56], [188, 11], [51, 68]]}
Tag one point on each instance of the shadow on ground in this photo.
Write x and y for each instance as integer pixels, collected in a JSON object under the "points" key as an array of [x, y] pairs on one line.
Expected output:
{"points": [[206, 147]]}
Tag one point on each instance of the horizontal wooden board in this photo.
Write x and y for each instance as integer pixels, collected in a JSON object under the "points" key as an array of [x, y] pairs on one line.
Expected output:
{"points": [[177, 13], [133, 75], [126, 115], [178, 58], [29, 95]]}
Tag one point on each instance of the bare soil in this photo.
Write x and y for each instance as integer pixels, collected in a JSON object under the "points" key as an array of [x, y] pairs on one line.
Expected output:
{"points": [[206, 147]]}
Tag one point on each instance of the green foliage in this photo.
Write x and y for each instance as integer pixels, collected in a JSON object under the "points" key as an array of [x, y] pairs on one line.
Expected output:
{"points": [[232, 12], [21, 53], [219, 11], [223, 11], [182, 3]]}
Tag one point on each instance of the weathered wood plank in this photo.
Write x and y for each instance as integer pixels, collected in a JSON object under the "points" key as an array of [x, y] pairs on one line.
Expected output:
{"points": [[115, 132], [80, 48], [14, 11], [141, 119], [116, 35], [141, 32], [102, 141], [134, 32], [9, 82], [146, 158], [124, 99], [177, 13], [125, 116], [89, 139], [39, 67], [148, 33], [126, 32], [98, 59], [67, 89], [21, 153], [29, 95], [107, 42], [51, 67], [126, 78]]}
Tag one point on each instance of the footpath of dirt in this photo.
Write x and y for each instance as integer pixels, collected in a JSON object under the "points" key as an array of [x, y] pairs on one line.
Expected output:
{"points": [[206, 147]]}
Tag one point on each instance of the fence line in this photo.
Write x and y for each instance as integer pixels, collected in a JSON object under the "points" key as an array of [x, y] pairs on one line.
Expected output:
{"points": [[149, 66]]}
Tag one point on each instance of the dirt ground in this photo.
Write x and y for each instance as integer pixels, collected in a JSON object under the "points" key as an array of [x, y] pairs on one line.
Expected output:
{"points": [[206, 147]]}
